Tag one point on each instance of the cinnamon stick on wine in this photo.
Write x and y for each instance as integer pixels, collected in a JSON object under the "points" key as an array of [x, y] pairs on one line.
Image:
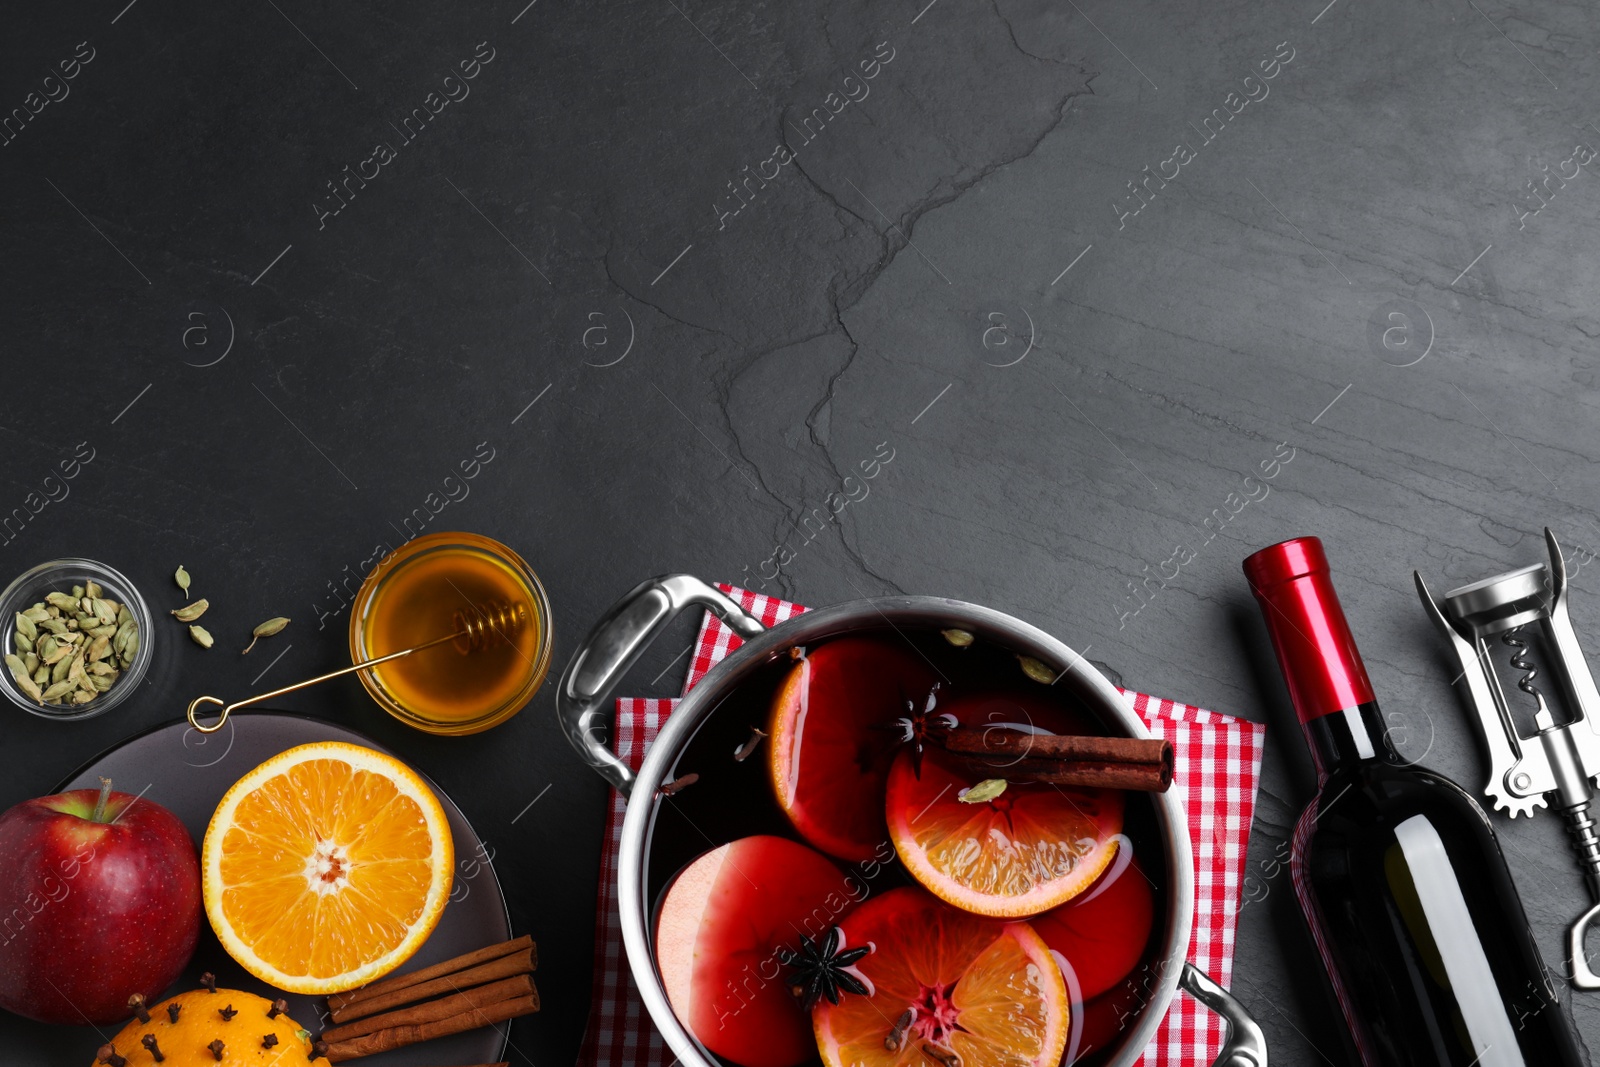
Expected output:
{"points": [[1064, 759]]}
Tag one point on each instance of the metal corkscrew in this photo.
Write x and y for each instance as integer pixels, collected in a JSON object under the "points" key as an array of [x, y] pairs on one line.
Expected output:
{"points": [[1524, 613]]}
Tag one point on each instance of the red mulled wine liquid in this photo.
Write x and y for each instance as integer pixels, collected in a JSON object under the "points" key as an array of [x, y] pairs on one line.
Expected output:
{"points": [[733, 799]]}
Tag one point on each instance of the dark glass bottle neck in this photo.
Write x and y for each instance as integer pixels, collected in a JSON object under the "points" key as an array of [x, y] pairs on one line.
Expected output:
{"points": [[1345, 738]]}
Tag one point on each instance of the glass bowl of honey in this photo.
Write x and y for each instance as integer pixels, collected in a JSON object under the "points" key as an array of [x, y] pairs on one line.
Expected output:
{"points": [[452, 583]]}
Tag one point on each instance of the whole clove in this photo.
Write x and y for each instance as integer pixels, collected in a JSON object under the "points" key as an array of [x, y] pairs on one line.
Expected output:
{"points": [[897, 1036], [149, 1042], [228, 1013], [173, 1010], [678, 785], [944, 1057], [136, 1004], [318, 1048], [209, 980], [108, 1056], [270, 1041], [216, 1048], [279, 1007], [744, 751]]}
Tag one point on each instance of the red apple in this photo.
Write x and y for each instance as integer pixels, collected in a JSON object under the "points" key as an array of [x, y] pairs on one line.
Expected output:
{"points": [[99, 900]]}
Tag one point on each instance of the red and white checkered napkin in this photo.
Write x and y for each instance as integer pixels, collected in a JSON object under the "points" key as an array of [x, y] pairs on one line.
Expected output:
{"points": [[1218, 763]]}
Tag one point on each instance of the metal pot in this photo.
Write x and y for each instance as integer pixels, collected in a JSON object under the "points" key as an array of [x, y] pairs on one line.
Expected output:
{"points": [[584, 705]]}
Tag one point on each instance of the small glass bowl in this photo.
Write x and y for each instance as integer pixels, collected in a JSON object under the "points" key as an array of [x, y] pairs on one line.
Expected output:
{"points": [[59, 576], [391, 570]]}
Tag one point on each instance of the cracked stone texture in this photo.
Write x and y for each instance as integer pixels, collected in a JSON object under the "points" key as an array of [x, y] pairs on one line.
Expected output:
{"points": [[910, 253]]}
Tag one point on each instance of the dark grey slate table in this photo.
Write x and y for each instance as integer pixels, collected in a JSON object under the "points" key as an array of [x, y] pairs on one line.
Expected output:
{"points": [[673, 271]]}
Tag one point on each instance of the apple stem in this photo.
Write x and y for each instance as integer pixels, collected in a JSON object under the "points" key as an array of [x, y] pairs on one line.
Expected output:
{"points": [[100, 804]]}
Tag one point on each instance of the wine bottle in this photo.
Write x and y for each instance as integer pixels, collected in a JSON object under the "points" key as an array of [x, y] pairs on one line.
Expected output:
{"points": [[1396, 868]]}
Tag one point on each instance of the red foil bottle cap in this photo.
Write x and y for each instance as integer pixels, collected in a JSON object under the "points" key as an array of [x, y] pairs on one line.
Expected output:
{"points": [[1318, 656]]}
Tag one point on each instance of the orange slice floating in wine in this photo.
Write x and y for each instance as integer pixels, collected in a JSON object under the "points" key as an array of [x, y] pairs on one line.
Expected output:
{"points": [[1031, 848], [832, 739], [947, 988]]}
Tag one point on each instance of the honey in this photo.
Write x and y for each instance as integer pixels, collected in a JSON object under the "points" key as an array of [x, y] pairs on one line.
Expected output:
{"points": [[433, 586]]}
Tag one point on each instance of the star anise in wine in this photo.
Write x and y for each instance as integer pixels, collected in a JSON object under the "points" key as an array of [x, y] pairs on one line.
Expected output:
{"points": [[919, 728], [824, 969]]}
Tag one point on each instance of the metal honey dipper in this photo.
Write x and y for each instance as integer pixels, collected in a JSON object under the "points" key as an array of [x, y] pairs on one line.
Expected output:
{"points": [[482, 626], [1521, 617]]}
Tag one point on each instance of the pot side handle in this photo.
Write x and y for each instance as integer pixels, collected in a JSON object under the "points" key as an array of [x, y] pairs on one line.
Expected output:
{"points": [[583, 701], [1245, 1045]]}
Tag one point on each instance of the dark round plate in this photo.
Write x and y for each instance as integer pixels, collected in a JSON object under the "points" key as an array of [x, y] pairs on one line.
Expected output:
{"points": [[187, 772]]}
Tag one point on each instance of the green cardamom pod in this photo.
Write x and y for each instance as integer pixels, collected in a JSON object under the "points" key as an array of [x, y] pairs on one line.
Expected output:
{"points": [[24, 643], [42, 676], [37, 613], [101, 683], [57, 690], [100, 648], [191, 612], [83, 697], [77, 592], [62, 602], [31, 661], [25, 626], [55, 626], [108, 630], [266, 629], [985, 790], [1036, 670], [58, 672], [182, 578], [24, 681], [202, 636], [959, 638], [49, 649], [105, 611], [92, 589], [132, 645], [103, 669]]}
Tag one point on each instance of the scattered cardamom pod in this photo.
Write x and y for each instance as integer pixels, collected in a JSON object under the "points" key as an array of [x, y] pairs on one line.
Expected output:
{"points": [[182, 578], [959, 638], [984, 791], [1036, 670], [266, 629], [191, 612], [202, 636]]}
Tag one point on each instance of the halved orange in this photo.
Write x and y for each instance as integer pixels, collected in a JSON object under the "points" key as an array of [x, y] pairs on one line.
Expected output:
{"points": [[326, 867], [1031, 848], [960, 989]]}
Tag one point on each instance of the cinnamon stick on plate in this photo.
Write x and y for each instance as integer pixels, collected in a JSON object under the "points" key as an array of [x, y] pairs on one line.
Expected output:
{"points": [[341, 1001], [431, 1011], [504, 967], [400, 1036], [1138, 763]]}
